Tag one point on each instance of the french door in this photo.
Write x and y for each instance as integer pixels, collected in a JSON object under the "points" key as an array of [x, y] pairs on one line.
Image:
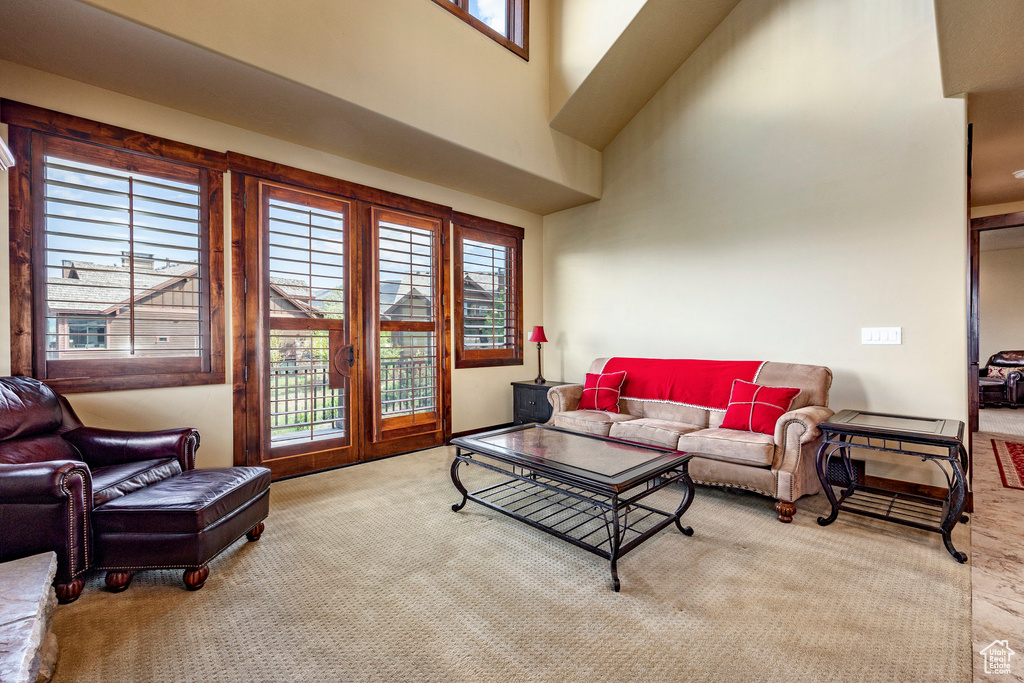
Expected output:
{"points": [[340, 339]]}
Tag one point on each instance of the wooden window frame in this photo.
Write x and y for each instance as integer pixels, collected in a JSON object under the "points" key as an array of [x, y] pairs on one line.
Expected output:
{"points": [[482, 229], [32, 130], [517, 18]]}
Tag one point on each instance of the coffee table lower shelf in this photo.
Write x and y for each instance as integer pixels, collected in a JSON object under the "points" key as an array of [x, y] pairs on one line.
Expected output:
{"points": [[608, 525]]}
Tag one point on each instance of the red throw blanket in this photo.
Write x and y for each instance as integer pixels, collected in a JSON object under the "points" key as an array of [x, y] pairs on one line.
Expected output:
{"points": [[698, 383]]}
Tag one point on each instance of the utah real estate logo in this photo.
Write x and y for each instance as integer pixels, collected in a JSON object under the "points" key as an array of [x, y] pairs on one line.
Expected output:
{"points": [[997, 657]]}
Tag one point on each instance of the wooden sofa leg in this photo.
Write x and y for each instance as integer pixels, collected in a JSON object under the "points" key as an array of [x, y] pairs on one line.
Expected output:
{"points": [[785, 511], [68, 592], [196, 578], [118, 581]]}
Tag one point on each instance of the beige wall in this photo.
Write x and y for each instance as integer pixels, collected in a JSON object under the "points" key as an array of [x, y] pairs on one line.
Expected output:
{"points": [[1001, 301], [408, 60], [581, 33], [798, 178], [481, 397]]}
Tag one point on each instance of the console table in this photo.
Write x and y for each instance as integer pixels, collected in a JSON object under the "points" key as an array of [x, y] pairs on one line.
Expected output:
{"points": [[931, 440]]}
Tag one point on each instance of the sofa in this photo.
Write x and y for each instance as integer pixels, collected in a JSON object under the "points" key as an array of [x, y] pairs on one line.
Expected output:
{"points": [[1001, 381], [780, 465]]}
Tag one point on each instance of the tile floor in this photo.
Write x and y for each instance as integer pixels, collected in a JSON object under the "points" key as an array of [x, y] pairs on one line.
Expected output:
{"points": [[997, 560]]}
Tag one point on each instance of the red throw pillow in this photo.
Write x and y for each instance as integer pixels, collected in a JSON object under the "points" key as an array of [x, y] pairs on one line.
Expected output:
{"points": [[756, 408], [601, 392]]}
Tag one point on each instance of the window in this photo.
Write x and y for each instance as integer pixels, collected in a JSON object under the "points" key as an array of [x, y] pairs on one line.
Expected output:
{"points": [[488, 293], [123, 235], [505, 21]]}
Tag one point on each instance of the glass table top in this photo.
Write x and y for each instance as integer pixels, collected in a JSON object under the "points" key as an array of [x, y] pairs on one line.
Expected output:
{"points": [[602, 458]]}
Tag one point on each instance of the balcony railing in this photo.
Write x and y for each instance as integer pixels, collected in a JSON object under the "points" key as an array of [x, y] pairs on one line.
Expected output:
{"points": [[303, 406]]}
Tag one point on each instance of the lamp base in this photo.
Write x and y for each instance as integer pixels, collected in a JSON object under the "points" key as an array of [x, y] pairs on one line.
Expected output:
{"points": [[540, 374]]}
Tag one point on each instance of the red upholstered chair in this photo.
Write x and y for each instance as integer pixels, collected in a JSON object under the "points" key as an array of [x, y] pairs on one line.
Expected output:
{"points": [[54, 471]]}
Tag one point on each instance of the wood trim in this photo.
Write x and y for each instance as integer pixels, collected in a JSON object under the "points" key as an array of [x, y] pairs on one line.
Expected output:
{"points": [[309, 180], [517, 26], [466, 220], [85, 130], [1006, 220], [238, 320], [899, 486], [500, 234], [19, 180]]}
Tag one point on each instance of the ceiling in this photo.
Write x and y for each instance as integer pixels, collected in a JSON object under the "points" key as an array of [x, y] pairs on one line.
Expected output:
{"points": [[981, 49]]}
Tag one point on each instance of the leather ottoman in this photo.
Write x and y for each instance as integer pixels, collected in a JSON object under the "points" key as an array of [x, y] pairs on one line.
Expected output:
{"points": [[183, 521]]}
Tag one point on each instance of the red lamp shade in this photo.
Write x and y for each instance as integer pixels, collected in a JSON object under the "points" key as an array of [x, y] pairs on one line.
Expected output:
{"points": [[538, 334]]}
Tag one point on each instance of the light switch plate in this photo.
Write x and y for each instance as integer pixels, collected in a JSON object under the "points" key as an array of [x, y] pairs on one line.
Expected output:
{"points": [[881, 335]]}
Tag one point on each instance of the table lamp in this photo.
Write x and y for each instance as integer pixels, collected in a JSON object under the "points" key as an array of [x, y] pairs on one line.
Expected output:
{"points": [[538, 336]]}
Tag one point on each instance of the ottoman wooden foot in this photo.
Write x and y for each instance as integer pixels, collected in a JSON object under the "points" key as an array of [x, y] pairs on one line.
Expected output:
{"points": [[254, 533], [196, 578], [118, 581], [68, 592]]}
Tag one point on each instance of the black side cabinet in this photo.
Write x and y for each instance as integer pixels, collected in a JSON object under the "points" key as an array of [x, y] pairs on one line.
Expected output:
{"points": [[530, 401]]}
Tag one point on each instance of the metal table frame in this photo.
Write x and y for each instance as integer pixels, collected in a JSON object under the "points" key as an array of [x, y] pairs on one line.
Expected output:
{"points": [[606, 520], [919, 512]]}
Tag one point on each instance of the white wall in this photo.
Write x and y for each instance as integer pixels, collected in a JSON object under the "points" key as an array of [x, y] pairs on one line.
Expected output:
{"points": [[1001, 302], [799, 177], [481, 397]]}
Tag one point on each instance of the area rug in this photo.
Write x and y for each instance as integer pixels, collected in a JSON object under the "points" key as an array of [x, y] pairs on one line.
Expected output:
{"points": [[1010, 458], [366, 574]]}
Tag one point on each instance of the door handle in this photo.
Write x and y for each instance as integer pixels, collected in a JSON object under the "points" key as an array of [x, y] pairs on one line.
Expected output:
{"points": [[341, 359]]}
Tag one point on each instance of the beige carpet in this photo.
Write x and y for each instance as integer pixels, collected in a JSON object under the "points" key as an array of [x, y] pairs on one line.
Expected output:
{"points": [[1001, 421], [365, 573]]}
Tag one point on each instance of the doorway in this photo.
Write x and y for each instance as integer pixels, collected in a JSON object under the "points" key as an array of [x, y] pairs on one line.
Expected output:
{"points": [[340, 330], [997, 267]]}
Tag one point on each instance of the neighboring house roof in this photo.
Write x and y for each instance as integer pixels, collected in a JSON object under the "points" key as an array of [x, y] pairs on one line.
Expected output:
{"points": [[111, 286], [102, 289]]}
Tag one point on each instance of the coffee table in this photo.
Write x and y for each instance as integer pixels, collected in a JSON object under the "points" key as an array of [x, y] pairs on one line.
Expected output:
{"points": [[582, 488]]}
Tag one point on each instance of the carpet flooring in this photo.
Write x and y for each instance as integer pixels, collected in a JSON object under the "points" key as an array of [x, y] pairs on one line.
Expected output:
{"points": [[365, 573]]}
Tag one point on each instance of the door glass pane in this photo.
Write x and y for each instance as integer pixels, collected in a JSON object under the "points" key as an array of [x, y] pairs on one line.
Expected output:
{"points": [[307, 258], [408, 303], [302, 404], [307, 281], [408, 373]]}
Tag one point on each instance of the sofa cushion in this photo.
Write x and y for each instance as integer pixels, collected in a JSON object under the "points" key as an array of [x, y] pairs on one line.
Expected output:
{"points": [[756, 408], [1002, 373], [589, 421], [601, 392], [730, 445], [114, 481], [653, 432]]}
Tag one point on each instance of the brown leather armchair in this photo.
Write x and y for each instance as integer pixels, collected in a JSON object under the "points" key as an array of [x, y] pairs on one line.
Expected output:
{"points": [[54, 471], [1001, 382]]}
